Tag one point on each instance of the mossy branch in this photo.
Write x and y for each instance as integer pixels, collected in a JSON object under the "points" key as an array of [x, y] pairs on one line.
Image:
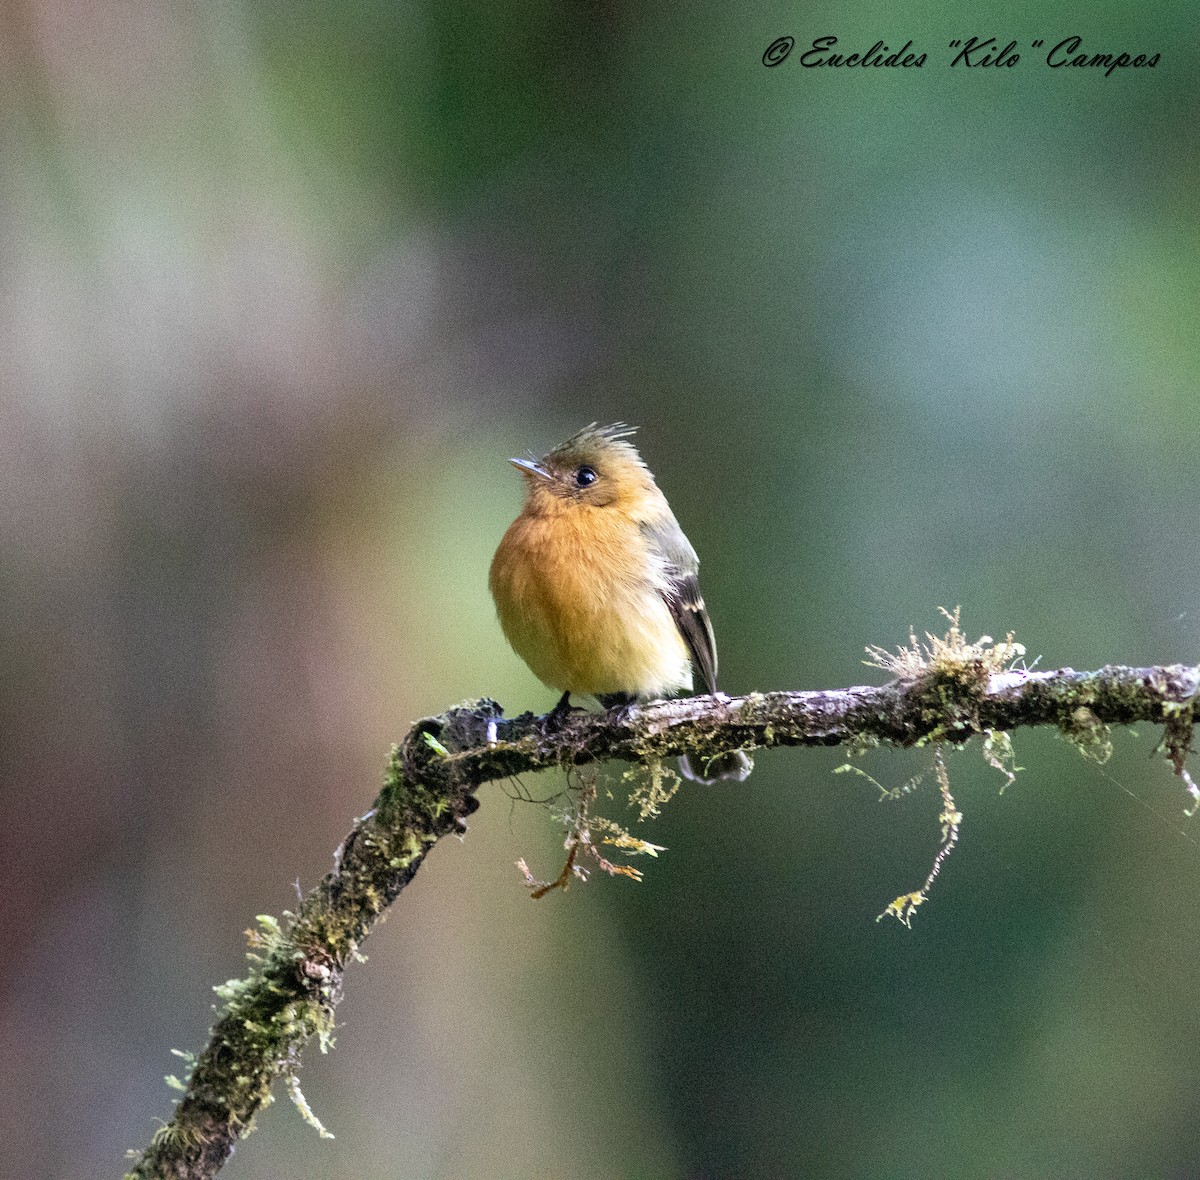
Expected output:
{"points": [[945, 695]]}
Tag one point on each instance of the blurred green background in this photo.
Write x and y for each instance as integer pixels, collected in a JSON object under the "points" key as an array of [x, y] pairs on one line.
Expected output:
{"points": [[281, 286]]}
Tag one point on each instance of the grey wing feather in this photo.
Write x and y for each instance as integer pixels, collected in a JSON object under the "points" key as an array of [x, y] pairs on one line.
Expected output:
{"points": [[684, 599]]}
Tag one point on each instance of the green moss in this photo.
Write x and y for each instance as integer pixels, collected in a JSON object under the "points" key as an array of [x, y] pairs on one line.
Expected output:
{"points": [[289, 995], [654, 786], [1088, 734]]}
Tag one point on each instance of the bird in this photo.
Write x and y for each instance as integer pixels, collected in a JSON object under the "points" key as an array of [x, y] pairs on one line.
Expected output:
{"points": [[596, 586]]}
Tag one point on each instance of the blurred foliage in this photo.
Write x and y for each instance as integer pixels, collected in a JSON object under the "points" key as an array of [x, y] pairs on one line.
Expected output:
{"points": [[281, 286]]}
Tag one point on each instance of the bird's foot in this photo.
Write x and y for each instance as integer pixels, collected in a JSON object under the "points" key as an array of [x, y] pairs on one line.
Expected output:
{"points": [[623, 702], [557, 716]]}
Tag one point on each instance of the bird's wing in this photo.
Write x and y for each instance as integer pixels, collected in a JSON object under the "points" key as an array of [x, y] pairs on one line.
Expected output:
{"points": [[683, 595]]}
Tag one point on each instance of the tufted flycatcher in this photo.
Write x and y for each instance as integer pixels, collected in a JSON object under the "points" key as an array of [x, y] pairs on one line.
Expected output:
{"points": [[595, 583]]}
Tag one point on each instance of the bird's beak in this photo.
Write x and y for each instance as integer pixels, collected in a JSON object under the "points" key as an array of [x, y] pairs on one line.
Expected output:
{"points": [[531, 467]]}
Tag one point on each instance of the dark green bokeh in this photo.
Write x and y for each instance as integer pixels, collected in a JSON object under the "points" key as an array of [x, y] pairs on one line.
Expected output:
{"points": [[284, 285]]}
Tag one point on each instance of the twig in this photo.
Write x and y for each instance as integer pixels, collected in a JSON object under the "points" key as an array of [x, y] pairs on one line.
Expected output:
{"points": [[296, 982]]}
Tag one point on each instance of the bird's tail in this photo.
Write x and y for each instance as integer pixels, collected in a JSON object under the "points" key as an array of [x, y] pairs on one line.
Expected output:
{"points": [[732, 767]]}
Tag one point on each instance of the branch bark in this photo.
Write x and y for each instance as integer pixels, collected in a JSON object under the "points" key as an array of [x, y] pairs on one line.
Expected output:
{"points": [[429, 791]]}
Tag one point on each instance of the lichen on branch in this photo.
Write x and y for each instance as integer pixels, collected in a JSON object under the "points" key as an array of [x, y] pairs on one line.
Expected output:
{"points": [[945, 692]]}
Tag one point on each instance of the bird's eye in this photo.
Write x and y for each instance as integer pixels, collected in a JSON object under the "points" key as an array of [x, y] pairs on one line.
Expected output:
{"points": [[585, 476]]}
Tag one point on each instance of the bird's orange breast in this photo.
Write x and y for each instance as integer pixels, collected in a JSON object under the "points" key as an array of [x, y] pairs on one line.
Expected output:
{"points": [[580, 598]]}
